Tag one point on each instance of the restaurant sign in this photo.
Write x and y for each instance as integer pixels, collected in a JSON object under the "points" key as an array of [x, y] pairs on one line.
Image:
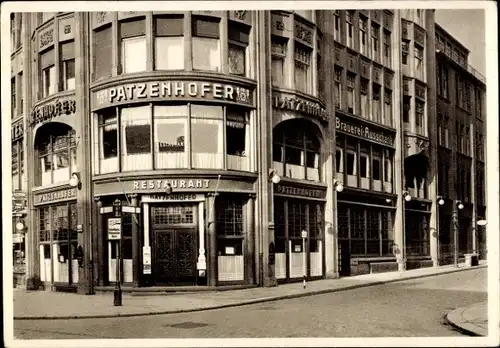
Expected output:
{"points": [[48, 111], [55, 196], [300, 191], [295, 103], [174, 183], [363, 132], [171, 90]]}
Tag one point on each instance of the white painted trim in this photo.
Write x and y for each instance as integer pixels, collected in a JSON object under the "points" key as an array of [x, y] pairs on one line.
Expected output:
{"points": [[146, 224], [198, 197], [202, 260]]}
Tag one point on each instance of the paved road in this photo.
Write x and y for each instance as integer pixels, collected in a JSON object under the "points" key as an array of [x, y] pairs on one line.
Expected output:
{"points": [[412, 308]]}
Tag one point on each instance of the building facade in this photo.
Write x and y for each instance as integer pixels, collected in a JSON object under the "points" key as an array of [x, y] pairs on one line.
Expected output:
{"points": [[244, 147]]}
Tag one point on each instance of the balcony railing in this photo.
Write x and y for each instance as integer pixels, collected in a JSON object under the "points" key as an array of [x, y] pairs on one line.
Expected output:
{"points": [[454, 56]]}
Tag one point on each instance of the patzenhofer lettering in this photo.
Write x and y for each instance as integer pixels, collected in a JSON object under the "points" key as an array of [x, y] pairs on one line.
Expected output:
{"points": [[173, 90]]}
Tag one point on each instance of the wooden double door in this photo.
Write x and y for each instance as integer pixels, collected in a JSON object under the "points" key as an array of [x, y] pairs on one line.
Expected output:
{"points": [[175, 248]]}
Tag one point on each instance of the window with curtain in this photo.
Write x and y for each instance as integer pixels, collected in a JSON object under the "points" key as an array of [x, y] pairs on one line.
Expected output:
{"points": [[102, 53], [364, 164], [338, 87], [278, 57], [133, 46], [387, 49], [388, 160], [238, 39], [136, 138], [49, 80], [377, 103], [363, 38], [388, 107], [237, 138], [57, 155], [351, 99], [349, 27], [364, 98], [169, 42], [170, 123], [207, 145], [15, 166], [206, 44], [108, 141], [303, 73], [351, 162], [67, 65]]}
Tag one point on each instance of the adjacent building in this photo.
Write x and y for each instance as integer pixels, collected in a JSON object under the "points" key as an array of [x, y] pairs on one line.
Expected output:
{"points": [[243, 147]]}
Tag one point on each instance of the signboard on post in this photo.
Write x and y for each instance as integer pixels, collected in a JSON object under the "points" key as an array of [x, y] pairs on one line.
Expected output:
{"points": [[146, 260], [114, 228]]}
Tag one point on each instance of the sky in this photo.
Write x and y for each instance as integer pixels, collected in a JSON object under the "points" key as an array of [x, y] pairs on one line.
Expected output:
{"points": [[468, 27]]}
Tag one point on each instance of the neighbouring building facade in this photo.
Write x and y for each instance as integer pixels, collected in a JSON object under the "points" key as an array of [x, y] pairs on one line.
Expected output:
{"points": [[245, 147]]}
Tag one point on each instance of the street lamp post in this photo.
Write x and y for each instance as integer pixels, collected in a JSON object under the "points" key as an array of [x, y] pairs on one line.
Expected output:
{"points": [[117, 209], [458, 206]]}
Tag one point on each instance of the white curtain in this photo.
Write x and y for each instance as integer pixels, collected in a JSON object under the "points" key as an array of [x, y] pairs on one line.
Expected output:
{"points": [[136, 138], [206, 54], [207, 136], [133, 54], [169, 53], [171, 141]]}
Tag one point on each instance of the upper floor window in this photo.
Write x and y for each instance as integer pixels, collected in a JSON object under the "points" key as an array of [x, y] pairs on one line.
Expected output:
{"points": [[420, 17], [47, 67], [377, 103], [206, 44], [12, 32], [296, 149], [133, 46], [237, 139], [364, 97], [103, 50], [307, 14], [387, 49], [419, 117], [13, 97], [135, 133], [351, 96], [303, 71], [278, 57], [207, 123], [20, 83], [406, 112], [419, 62], [336, 26], [18, 166], [388, 107], [375, 41], [338, 87], [239, 37], [349, 27], [67, 65], [363, 39], [56, 153], [169, 43], [442, 80], [405, 50]]}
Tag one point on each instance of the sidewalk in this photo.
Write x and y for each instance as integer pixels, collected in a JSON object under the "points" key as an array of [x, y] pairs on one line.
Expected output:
{"points": [[54, 305], [472, 320]]}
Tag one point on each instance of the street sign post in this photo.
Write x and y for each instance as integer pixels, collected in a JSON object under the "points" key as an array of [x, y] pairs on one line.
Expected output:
{"points": [[115, 233], [304, 236]]}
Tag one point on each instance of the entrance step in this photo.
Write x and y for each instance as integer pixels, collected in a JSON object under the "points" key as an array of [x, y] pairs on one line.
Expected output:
{"points": [[171, 290]]}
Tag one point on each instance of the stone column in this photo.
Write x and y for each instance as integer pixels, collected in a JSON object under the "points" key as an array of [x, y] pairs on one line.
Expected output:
{"points": [[102, 245], [188, 42], [96, 244], [224, 43], [83, 133], [212, 241], [135, 242], [398, 180], [149, 41], [430, 65], [115, 44], [249, 240]]}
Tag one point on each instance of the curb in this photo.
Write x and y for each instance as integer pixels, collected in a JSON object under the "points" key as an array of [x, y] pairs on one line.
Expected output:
{"points": [[249, 302], [460, 328]]}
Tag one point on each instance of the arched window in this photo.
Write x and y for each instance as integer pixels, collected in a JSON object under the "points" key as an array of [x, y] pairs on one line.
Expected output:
{"points": [[56, 146], [296, 150]]}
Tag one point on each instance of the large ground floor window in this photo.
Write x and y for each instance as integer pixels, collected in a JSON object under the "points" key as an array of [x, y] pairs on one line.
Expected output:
{"points": [[291, 217], [58, 243], [170, 136], [368, 230], [417, 233]]}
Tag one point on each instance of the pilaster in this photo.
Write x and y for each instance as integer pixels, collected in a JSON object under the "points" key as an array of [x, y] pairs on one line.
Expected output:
{"points": [[212, 240]]}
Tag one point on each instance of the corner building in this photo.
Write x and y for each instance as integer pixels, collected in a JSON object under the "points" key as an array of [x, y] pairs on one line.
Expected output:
{"points": [[190, 118]]}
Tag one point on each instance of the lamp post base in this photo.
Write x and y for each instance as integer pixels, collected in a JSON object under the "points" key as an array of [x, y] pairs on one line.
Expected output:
{"points": [[117, 297]]}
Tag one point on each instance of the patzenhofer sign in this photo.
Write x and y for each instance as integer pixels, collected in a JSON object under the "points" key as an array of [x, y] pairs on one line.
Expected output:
{"points": [[172, 90]]}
